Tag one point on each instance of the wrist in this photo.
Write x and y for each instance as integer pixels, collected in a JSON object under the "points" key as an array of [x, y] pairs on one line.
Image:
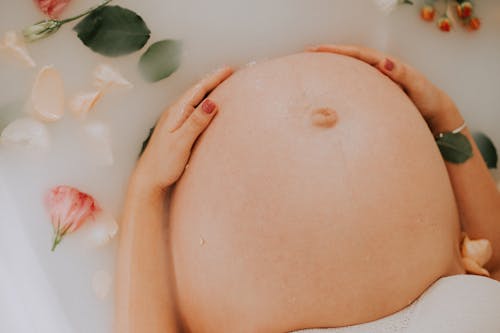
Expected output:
{"points": [[446, 120], [143, 187]]}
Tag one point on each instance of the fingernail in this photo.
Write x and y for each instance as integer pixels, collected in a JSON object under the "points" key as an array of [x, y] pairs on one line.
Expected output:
{"points": [[208, 106], [389, 65]]}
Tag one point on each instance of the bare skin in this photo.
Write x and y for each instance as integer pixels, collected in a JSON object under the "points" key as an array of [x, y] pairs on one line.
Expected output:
{"points": [[475, 190], [147, 287]]}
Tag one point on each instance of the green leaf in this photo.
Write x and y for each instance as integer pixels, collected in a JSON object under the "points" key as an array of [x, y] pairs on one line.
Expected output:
{"points": [[160, 60], [145, 143], [113, 31], [487, 149], [455, 147]]}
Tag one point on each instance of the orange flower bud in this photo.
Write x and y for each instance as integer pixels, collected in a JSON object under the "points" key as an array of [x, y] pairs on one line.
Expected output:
{"points": [[464, 10], [444, 24], [427, 13], [474, 24]]}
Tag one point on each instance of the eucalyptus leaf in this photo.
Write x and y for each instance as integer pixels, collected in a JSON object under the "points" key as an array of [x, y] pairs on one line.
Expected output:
{"points": [[113, 31], [487, 149], [160, 60], [454, 147]]}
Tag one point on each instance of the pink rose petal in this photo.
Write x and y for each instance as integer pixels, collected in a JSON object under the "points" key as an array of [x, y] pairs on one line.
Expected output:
{"points": [[52, 8]]}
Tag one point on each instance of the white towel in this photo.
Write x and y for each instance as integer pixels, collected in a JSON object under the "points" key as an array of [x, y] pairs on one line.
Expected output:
{"points": [[454, 304]]}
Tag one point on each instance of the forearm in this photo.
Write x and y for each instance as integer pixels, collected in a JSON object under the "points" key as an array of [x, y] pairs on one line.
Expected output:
{"points": [[476, 193], [146, 288], [145, 292]]}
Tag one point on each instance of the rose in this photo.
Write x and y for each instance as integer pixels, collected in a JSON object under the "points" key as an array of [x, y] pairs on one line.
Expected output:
{"points": [[52, 8], [69, 209]]}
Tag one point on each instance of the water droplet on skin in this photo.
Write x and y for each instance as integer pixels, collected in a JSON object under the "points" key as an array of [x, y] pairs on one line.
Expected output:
{"points": [[251, 63]]}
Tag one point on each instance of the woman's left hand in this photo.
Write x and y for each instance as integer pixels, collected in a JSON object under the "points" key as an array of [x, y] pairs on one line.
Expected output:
{"points": [[435, 105], [169, 148]]}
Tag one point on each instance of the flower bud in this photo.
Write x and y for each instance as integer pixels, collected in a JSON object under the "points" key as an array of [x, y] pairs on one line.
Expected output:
{"points": [[474, 24], [427, 13], [41, 30], [444, 24], [52, 8], [464, 9]]}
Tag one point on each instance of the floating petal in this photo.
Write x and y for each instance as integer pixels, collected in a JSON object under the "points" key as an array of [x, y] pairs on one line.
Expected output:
{"points": [[47, 96], [16, 46], [473, 267], [26, 132], [479, 250], [83, 103], [102, 229], [106, 77]]}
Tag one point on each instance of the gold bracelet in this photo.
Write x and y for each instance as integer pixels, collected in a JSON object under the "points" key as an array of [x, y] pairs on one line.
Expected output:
{"points": [[455, 131]]}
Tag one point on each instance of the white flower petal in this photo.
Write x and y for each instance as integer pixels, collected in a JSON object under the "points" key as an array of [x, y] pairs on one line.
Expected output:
{"points": [[98, 141], [26, 132], [47, 96], [479, 250], [82, 103], [101, 283], [13, 43], [386, 6], [106, 77], [102, 229]]}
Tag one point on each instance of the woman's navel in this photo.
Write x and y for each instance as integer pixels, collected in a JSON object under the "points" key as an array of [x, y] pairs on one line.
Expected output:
{"points": [[324, 117]]}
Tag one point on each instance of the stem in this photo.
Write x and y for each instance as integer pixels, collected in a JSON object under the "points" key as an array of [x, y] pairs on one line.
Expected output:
{"points": [[85, 13], [59, 235], [57, 240]]}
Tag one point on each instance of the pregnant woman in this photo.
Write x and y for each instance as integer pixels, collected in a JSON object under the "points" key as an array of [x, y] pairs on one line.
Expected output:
{"points": [[316, 197]]}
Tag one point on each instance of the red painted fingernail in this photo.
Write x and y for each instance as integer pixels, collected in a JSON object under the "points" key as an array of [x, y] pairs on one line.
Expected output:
{"points": [[208, 106], [389, 65]]}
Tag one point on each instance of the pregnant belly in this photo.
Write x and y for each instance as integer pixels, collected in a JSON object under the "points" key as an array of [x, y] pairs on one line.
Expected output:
{"points": [[289, 216]]}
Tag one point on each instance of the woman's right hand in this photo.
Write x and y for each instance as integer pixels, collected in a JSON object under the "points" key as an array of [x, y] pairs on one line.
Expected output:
{"points": [[169, 148], [437, 108]]}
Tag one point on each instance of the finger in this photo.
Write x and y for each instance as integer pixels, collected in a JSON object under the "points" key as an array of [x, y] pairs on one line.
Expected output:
{"points": [[404, 75], [370, 56], [190, 100], [196, 123]]}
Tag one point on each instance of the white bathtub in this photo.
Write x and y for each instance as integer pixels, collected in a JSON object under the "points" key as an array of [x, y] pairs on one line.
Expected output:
{"points": [[27, 302], [42, 291]]}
